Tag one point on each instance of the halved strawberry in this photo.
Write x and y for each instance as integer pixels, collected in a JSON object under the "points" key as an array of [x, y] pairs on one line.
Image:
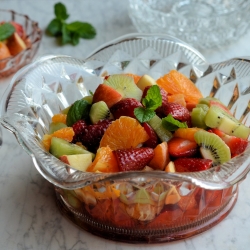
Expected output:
{"points": [[133, 159], [125, 107], [237, 145], [192, 164], [153, 138], [107, 94], [179, 147]]}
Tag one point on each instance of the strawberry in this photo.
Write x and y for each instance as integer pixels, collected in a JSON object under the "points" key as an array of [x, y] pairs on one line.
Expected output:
{"points": [[179, 112], [153, 138], [192, 164], [125, 107], [179, 147], [133, 159], [79, 128], [237, 145]]}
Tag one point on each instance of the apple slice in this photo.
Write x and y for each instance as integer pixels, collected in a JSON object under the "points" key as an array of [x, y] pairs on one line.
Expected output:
{"points": [[145, 81], [16, 44], [79, 161]]}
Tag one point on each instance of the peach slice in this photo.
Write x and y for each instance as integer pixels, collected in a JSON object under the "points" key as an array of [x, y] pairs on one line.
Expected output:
{"points": [[16, 44]]}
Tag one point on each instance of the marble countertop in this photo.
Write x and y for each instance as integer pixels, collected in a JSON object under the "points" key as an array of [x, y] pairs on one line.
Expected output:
{"points": [[29, 218]]}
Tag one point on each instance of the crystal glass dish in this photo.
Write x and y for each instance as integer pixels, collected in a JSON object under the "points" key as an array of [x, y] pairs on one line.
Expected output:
{"points": [[171, 206], [11, 64], [203, 24]]}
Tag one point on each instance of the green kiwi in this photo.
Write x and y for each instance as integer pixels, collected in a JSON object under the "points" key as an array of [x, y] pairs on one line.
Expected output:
{"points": [[61, 147], [125, 85], [212, 147], [206, 100], [99, 111], [220, 119], [54, 126], [156, 124], [198, 114]]}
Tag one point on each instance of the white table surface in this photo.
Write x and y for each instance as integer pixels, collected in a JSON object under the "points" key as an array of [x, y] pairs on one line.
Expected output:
{"points": [[29, 218]]}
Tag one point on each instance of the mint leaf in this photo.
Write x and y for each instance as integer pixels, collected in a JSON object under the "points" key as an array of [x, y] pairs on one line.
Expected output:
{"points": [[6, 30], [143, 115], [153, 99], [60, 11], [84, 30], [79, 110], [172, 124], [55, 27], [66, 35]]}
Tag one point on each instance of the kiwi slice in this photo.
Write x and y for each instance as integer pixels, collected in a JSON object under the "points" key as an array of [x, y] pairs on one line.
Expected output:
{"points": [[99, 111], [212, 147], [61, 147], [156, 124], [125, 85], [219, 118], [54, 126], [198, 115], [206, 100]]}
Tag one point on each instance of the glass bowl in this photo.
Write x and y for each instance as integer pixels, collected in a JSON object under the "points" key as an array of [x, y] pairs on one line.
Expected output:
{"points": [[33, 38], [203, 24], [169, 206]]}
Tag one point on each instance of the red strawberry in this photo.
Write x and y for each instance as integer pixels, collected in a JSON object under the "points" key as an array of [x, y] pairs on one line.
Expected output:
{"points": [[133, 159], [125, 107], [153, 138], [179, 147], [192, 164], [179, 112], [236, 145]]}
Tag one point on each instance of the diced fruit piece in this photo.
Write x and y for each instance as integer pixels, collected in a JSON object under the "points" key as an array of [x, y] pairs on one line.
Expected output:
{"points": [[172, 196], [135, 77], [54, 126], [153, 138], [78, 161], [177, 98], [198, 115], [145, 81], [176, 83], [88, 98], [104, 161], [162, 133], [123, 133], [61, 147], [179, 147], [107, 94], [59, 118], [133, 159], [212, 147], [15, 44], [218, 118], [19, 29], [186, 133], [125, 107], [4, 51], [170, 167], [79, 129], [125, 85], [192, 164], [99, 111], [236, 145], [161, 157]]}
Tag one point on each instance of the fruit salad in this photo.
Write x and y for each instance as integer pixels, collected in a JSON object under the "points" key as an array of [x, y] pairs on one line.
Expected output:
{"points": [[136, 123]]}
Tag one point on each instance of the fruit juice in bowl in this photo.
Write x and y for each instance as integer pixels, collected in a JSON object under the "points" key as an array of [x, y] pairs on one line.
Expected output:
{"points": [[124, 167]]}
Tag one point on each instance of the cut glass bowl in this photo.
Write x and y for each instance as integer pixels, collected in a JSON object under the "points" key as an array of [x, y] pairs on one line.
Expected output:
{"points": [[203, 24], [170, 206], [11, 64]]}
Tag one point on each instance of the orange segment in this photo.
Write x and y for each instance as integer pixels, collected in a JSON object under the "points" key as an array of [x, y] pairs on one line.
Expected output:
{"points": [[176, 83], [104, 161], [177, 98], [64, 133], [136, 77], [125, 132], [59, 118], [161, 157], [186, 133]]}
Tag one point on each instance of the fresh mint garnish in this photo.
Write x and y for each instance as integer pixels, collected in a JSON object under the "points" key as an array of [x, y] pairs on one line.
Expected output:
{"points": [[6, 30], [172, 124], [69, 32], [151, 102]]}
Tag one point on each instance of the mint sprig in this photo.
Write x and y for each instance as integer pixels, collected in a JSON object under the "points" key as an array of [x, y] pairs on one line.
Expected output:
{"points": [[151, 102], [172, 124], [6, 30], [69, 32]]}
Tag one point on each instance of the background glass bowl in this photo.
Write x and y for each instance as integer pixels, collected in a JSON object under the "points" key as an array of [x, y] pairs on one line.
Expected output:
{"points": [[11, 64], [168, 206], [203, 24]]}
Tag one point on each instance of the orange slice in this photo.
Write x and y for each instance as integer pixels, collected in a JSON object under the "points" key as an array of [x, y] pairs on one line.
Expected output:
{"points": [[176, 83], [104, 161], [125, 132], [177, 98], [59, 118], [136, 77], [186, 133]]}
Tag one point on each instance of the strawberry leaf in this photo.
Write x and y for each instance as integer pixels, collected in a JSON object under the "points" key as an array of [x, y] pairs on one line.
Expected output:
{"points": [[172, 124]]}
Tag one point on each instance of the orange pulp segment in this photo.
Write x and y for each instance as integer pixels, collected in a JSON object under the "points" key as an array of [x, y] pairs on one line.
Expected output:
{"points": [[186, 133], [177, 98], [136, 77], [125, 132], [177, 83], [59, 118]]}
